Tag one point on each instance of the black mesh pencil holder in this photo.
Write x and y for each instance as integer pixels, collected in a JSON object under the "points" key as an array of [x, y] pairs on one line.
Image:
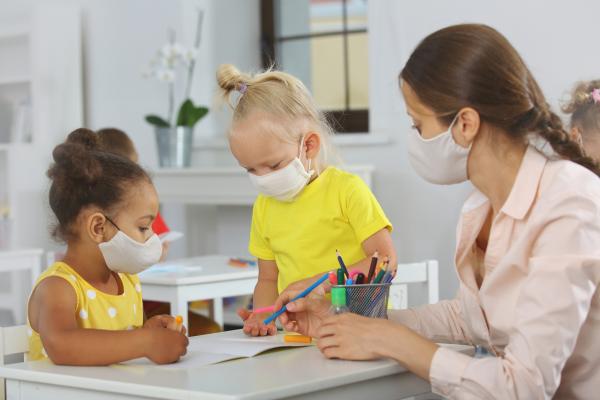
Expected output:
{"points": [[368, 300]]}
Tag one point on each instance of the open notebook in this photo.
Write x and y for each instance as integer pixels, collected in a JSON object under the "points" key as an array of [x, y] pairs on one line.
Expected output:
{"points": [[219, 347]]}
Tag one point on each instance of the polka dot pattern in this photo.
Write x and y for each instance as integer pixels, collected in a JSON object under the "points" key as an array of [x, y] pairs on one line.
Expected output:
{"points": [[112, 312], [138, 287], [91, 294], [83, 314]]}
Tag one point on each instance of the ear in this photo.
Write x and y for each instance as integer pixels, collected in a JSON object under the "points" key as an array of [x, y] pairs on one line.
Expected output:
{"points": [[575, 134], [466, 126], [312, 143], [96, 227]]}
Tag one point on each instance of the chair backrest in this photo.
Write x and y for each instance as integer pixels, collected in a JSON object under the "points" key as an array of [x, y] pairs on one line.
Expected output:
{"points": [[53, 256], [425, 272], [13, 340]]}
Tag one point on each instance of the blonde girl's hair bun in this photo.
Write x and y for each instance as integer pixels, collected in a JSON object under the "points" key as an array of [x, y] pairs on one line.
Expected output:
{"points": [[230, 79]]}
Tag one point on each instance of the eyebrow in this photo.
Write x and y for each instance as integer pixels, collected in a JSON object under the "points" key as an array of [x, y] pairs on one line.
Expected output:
{"points": [[149, 216]]}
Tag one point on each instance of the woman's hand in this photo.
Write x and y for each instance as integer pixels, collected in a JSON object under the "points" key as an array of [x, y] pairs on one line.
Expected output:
{"points": [[352, 337], [253, 323], [303, 316]]}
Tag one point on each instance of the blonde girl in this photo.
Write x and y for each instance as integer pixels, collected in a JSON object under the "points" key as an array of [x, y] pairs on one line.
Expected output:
{"points": [[306, 208]]}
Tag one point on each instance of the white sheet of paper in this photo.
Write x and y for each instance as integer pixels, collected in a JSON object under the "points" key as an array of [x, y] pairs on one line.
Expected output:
{"points": [[212, 349], [170, 236]]}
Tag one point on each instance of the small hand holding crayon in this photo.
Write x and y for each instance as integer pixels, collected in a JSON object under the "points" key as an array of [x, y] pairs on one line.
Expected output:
{"points": [[164, 339], [166, 321], [253, 322]]}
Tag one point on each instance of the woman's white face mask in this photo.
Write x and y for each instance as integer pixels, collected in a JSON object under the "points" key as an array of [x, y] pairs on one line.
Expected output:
{"points": [[438, 160], [286, 183]]}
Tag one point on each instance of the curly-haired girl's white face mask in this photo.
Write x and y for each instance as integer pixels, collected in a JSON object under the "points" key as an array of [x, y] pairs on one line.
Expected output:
{"points": [[123, 254], [286, 183]]}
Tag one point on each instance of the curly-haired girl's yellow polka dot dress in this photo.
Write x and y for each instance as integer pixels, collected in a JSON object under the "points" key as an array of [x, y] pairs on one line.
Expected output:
{"points": [[95, 309]]}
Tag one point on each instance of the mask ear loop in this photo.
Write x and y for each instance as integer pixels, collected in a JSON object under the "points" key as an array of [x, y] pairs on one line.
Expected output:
{"points": [[111, 221], [310, 172]]}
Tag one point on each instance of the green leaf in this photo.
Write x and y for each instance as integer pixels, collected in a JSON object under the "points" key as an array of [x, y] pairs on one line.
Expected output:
{"points": [[189, 114], [157, 121]]}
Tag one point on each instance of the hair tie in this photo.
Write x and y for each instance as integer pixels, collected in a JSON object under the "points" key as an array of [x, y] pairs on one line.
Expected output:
{"points": [[243, 87], [596, 96]]}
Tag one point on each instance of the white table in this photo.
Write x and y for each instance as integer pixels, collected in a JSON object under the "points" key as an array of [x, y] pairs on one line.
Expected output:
{"points": [[200, 278], [301, 373], [15, 261]]}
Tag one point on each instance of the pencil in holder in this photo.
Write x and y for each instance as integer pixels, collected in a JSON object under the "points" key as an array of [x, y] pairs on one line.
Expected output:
{"points": [[368, 300]]}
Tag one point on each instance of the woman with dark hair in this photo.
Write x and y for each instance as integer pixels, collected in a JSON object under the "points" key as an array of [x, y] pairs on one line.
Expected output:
{"points": [[528, 239]]}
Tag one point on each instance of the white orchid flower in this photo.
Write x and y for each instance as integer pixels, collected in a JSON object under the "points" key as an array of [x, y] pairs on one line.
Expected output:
{"points": [[165, 75], [190, 55]]}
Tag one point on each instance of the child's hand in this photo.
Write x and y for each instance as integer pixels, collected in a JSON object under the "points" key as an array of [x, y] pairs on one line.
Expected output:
{"points": [[253, 323], [165, 251], [165, 346], [165, 321]]}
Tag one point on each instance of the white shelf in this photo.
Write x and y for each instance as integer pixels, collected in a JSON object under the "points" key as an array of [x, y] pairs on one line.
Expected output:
{"points": [[15, 80], [12, 145], [14, 32], [219, 185]]}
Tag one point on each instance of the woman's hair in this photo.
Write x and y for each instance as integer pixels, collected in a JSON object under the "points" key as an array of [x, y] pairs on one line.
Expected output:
{"points": [[584, 107], [116, 141], [83, 174], [475, 66], [282, 96]]}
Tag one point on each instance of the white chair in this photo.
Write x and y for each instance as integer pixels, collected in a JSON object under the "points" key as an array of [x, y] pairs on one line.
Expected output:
{"points": [[13, 262], [54, 256], [425, 273], [13, 340]]}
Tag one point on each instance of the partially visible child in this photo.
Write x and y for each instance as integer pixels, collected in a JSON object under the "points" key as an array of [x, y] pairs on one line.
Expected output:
{"points": [[306, 208], [584, 108], [116, 141], [87, 308]]}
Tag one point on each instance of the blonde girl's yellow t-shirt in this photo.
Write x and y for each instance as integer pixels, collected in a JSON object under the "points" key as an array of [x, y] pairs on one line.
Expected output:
{"points": [[95, 309], [336, 210]]}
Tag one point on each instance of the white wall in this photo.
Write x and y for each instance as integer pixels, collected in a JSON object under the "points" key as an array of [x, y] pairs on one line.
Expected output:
{"points": [[553, 37], [120, 36]]}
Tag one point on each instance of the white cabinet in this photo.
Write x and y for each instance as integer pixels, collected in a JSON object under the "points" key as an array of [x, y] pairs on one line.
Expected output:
{"points": [[40, 102], [228, 186]]}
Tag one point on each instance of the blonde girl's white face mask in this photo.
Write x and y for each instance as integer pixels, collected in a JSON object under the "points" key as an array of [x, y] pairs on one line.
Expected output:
{"points": [[439, 160], [123, 254], [286, 183]]}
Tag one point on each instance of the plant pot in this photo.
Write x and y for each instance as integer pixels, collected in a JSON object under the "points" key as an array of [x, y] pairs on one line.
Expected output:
{"points": [[174, 146]]}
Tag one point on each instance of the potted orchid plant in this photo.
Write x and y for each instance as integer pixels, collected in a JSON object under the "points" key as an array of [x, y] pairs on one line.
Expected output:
{"points": [[174, 133]]}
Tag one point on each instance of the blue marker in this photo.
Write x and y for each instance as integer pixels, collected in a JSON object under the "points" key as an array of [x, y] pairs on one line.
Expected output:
{"points": [[304, 293], [348, 281]]}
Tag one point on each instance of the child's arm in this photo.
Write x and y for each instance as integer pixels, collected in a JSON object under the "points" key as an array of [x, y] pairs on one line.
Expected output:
{"points": [[265, 294], [52, 314], [380, 241]]}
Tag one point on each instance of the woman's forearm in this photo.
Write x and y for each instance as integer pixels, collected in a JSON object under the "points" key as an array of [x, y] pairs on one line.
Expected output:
{"points": [[406, 347]]}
